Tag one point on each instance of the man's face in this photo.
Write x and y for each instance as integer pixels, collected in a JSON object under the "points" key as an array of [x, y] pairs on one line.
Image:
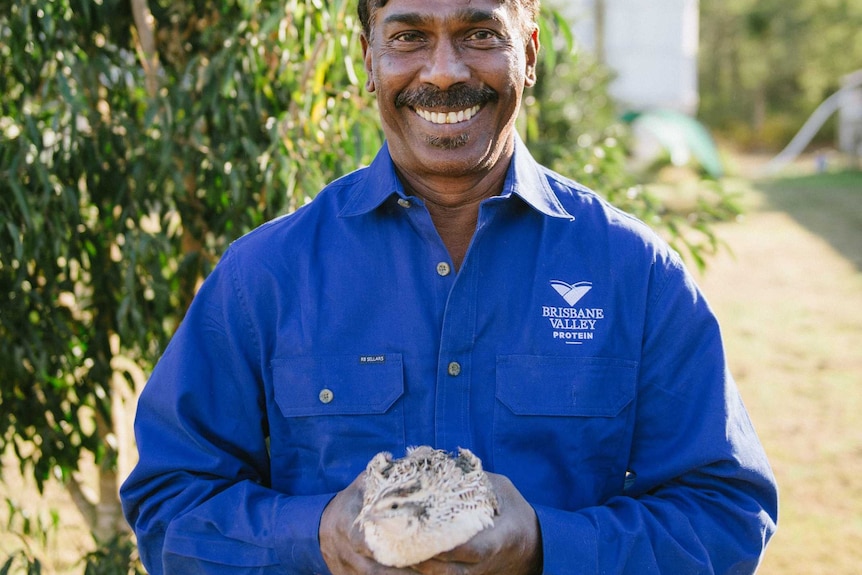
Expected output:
{"points": [[449, 76]]}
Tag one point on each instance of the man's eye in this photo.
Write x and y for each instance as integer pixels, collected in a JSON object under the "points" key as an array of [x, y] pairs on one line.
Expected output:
{"points": [[482, 35], [408, 37]]}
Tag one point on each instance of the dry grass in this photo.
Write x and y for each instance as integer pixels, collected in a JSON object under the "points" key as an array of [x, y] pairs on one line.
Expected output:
{"points": [[790, 303], [65, 536]]}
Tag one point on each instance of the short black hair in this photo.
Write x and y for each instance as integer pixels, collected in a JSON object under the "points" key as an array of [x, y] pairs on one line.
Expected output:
{"points": [[366, 8]]}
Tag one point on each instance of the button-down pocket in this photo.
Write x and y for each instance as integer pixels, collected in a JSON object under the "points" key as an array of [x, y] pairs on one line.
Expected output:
{"points": [[567, 420], [337, 412]]}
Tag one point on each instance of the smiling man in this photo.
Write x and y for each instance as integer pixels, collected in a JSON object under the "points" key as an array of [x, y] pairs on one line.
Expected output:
{"points": [[454, 293], [449, 79]]}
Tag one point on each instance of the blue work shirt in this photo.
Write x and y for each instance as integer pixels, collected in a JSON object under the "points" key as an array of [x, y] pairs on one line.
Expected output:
{"points": [[571, 351]]}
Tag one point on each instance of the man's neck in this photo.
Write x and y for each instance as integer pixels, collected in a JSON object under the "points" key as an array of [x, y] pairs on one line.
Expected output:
{"points": [[454, 205]]}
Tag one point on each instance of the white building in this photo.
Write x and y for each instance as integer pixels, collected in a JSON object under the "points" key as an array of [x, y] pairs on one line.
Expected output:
{"points": [[651, 45]]}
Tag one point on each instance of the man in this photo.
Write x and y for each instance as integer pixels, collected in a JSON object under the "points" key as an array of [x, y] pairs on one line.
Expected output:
{"points": [[454, 293]]}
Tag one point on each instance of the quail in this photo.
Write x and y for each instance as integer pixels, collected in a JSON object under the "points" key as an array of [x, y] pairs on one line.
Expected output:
{"points": [[423, 504]]}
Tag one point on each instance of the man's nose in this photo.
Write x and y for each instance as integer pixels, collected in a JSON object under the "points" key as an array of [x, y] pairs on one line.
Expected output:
{"points": [[445, 66]]}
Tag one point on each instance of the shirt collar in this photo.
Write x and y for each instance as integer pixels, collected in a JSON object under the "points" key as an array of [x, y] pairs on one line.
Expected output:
{"points": [[525, 179], [375, 184]]}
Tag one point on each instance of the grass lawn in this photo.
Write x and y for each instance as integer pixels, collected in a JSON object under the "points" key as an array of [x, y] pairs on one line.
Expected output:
{"points": [[790, 302]]}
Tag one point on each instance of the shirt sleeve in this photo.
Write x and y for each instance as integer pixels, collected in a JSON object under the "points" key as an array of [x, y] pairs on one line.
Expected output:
{"points": [[704, 498], [198, 499]]}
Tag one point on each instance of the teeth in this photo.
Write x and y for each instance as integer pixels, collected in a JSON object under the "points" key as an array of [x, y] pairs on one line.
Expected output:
{"points": [[448, 118]]}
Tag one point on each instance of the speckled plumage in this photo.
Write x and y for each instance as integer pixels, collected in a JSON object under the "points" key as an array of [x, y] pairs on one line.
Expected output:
{"points": [[424, 504]]}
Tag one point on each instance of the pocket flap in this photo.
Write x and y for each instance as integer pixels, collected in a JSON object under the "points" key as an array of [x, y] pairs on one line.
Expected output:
{"points": [[337, 385], [565, 386]]}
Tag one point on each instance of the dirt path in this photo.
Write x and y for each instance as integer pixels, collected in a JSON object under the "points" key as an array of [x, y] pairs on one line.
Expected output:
{"points": [[790, 304]]}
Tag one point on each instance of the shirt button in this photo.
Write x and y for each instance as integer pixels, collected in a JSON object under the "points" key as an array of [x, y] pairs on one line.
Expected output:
{"points": [[325, 395], [454, 368], [404, 203], [443, 269]]}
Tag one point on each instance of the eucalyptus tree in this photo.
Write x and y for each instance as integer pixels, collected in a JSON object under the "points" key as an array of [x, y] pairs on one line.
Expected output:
{"points": [[136, 141]]}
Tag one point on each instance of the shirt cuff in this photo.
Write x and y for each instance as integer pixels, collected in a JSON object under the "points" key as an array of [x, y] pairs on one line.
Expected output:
{"points": [[297, 543], [568, 542]]}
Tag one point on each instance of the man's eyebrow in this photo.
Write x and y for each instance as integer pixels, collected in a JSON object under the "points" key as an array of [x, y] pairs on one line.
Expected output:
{"points": [[468, 15], [408, 18]]}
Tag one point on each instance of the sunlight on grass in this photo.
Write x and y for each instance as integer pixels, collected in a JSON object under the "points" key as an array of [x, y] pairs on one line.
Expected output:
{"points": [[790, 304]]}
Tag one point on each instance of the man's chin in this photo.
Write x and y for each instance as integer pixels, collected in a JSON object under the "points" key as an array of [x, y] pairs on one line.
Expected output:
{"points": [[448, 142]]}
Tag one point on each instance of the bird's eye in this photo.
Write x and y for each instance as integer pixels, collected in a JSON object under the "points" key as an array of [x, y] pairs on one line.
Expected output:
{"points": [[394, 506]]}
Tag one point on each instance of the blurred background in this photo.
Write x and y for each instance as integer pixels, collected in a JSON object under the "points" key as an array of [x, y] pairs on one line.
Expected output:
{"points": [[138, 138]]}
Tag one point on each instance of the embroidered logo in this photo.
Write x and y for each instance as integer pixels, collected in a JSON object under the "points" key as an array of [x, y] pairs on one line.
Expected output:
{"points": [[572, 325], [571, 293]]}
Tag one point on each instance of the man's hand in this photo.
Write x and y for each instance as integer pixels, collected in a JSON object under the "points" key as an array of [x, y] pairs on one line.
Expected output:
{"points": [[513, 546], [341, 542]]}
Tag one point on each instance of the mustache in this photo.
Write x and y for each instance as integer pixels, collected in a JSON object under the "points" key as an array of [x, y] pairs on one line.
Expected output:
{"points": [[458, 97]]}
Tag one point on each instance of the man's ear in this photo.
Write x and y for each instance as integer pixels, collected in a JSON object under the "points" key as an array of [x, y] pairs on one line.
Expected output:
{"points": [[366, 57], [532, 53]]}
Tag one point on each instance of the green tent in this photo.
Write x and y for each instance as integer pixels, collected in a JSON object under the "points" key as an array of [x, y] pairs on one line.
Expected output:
{"points": [[681, 135]]}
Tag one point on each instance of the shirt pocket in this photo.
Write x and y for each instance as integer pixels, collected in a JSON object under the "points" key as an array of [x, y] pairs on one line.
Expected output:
{"points": [[337, 412], [563, 426]]}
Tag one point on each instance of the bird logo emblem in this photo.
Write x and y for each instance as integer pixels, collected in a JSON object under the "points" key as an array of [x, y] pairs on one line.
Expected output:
{"points": [[572, 293]]}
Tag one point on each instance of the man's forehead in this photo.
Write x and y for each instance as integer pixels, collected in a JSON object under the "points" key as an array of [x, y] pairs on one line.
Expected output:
{"points": [[427, 11], [435, 4], [469, 13]]}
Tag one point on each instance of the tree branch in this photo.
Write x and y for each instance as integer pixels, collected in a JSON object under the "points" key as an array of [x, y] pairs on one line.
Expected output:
{"points": [[84, 503], [145, 24]]}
